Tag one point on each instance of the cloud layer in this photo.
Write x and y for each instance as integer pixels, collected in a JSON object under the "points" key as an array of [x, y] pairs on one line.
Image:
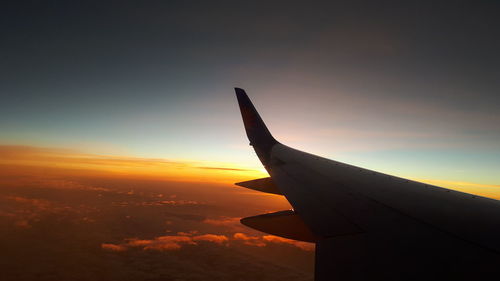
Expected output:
{"points": [[60, 225]]}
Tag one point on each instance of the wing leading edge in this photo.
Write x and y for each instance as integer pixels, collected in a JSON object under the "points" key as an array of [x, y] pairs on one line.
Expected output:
{"points": [[372, 226]]}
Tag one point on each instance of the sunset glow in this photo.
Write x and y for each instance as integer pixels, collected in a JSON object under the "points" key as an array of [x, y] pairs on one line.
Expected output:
{"points": [[23, 159], [121, 137]]}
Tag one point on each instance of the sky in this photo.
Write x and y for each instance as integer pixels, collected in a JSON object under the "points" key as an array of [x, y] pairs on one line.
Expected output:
{"points": [[406, 88], [121, 138]]}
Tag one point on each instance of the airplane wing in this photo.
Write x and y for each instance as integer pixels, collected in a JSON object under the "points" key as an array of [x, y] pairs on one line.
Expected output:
{"points": [[369, 225]]}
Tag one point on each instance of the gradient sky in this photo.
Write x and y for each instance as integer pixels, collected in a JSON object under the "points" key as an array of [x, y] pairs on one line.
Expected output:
{"points": [[410, 89]]}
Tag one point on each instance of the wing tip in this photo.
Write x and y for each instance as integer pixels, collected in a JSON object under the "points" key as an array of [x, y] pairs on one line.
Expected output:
{"points": [[239, 90], [242, 96], [257, 132]]}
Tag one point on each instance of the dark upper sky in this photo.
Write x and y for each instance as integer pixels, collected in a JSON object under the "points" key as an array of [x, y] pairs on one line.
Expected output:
{"points": [[150, 77], [49, 45]]}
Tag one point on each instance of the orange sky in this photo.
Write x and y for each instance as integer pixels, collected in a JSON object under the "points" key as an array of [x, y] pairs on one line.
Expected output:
{"points": [[50, 162], [23, 159]]}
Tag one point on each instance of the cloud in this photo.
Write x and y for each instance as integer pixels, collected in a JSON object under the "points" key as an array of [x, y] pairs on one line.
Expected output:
{"points": [[219, 239], [159, 203], [104, 211], [168, 246], [168, 242], [262, 241], [249, 240], [134, 242], [299, 244], [24, 212], [190, 233], [161, 243], [165, 243], [179, 202], [113, 247], [176, 242], [224, 221], [40, 204]]}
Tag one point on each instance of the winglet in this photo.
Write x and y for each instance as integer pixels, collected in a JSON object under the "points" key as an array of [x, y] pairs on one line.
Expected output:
{"points": [[257, 132]]}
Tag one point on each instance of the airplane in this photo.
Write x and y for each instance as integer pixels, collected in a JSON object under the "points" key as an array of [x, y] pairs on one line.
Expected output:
{"points": [[368, 225]]}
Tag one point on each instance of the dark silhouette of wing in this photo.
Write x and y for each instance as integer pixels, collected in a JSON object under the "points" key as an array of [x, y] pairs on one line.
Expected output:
{"points": [[369, 225]]}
